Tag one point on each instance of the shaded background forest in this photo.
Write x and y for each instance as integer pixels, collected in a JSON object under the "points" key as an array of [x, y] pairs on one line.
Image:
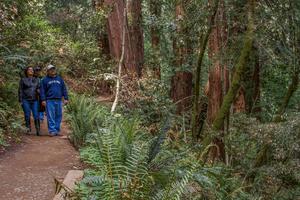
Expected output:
{"points": [[213, 81]]}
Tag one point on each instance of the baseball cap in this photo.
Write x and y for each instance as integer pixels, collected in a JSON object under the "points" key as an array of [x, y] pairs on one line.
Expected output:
{"points": [[50, 67]]}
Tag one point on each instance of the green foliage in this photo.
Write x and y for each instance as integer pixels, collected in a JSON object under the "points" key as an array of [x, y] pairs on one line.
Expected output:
{"points": [[10, 124], [84, 115], [118, 153], [152, 103], [119, 161], [277, 175]]}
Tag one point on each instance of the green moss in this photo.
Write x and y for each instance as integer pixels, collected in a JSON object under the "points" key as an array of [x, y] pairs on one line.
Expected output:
{"points": [[204, 41], [240, 69]]}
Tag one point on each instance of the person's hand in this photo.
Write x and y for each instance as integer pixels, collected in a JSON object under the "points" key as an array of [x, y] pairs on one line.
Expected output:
{"points": [[44, 103], [66, 102]]}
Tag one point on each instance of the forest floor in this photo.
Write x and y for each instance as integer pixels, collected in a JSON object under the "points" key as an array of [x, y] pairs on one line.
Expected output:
{"points": [[27, 171]]}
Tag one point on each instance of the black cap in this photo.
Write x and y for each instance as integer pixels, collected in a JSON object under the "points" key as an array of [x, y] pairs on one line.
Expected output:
{"points": [[37, 68]]}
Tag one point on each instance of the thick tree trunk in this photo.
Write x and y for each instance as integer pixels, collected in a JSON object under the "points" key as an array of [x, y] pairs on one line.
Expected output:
{"points": [[121, 62], [181, 91], [134, 42], [240, 68], [135, 49], [155, 10], [179, 47], [239, 72], [181, 85], [216, 76], [196, 115]]}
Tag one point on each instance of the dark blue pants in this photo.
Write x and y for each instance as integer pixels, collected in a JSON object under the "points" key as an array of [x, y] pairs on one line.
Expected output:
{"points": [[41, 115], [54, 115], [28, 107]]}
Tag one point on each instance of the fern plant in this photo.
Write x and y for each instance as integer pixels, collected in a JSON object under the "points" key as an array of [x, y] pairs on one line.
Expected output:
{"points": [[121, 168], [118, 178], [83, 114], [125, 162]]}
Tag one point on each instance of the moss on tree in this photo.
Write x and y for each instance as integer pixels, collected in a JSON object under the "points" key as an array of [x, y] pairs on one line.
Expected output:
{"points": [[240, 69]]}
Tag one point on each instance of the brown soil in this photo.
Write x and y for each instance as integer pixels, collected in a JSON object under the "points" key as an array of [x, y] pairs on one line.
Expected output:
{"points": [[27, 172]]}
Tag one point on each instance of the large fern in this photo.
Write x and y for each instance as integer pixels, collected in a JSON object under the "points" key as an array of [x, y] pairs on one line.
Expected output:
{"points": [[120, 179], [83, 113]]}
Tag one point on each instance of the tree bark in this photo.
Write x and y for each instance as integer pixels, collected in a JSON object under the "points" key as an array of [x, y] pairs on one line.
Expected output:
{"points": [[203, 43], [134, 42], [155, 10], [216, 76], [181, 84], [134, 59], [239, 71], [181, 91], [121, 62]]}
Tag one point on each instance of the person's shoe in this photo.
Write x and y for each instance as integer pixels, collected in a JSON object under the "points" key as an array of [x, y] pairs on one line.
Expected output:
{"points": [[37, 127], [28, 127], [28, 131], [52, 134]]}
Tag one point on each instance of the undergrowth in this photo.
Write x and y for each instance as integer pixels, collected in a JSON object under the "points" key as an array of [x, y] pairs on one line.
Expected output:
{"points": [[126, 162], [10, 120]]}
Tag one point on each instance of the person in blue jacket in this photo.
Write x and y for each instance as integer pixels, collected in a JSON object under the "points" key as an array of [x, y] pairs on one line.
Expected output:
{"points": [[53, 95]]}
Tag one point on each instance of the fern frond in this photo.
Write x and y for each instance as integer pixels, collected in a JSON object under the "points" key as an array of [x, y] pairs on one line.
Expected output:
{"points": [[176, 189]]}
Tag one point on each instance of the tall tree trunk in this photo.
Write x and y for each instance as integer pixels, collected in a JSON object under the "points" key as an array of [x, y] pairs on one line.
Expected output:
{"points": [[240, 68], [239, 71], [102, 36], [135, 50], [216, 75], [196, 128], [121, 63], [134, 42], [181, 84], [155, 10]]}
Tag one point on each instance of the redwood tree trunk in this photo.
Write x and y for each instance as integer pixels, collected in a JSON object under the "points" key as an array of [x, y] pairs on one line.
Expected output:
{"points": [[217, 75], [134, 42], [181, 90], [134, 56], [155, 10], [181, 85]]}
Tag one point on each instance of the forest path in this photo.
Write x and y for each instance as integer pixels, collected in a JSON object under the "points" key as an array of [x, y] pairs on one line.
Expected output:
{"points": [[27, 172]]}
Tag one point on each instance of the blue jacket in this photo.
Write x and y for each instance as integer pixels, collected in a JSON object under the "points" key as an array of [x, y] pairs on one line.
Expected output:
{"points": [[53, 88]]}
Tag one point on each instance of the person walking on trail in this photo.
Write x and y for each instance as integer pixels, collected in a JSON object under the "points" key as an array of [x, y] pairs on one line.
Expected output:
{"points": [[28, 97], [38, 75], [53, 94]]}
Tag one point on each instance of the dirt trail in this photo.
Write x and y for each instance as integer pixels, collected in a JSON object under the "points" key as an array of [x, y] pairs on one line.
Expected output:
{"points": [[27, 171]]}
